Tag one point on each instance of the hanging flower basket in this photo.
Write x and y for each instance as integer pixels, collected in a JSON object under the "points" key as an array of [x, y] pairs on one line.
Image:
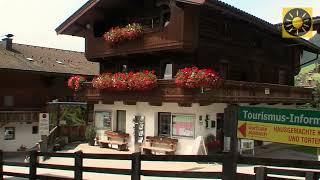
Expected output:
{"points": [[117, 35], [195, 78], [75, 82], [139, 81]]}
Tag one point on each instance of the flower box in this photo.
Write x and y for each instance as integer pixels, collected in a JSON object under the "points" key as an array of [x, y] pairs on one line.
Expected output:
{"points": [[136, 81], [117, 35], [194, 78]]}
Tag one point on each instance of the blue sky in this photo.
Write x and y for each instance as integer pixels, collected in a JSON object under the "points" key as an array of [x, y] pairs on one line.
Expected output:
{"points": [[33, 21]]}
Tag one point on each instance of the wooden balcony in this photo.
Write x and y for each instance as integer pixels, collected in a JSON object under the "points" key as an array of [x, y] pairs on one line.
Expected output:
{"points": [[156, 37], [156, 40], [228, 92]]}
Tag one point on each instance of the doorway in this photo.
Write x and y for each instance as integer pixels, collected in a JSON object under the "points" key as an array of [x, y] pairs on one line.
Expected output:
{"points": [[121, 121]]}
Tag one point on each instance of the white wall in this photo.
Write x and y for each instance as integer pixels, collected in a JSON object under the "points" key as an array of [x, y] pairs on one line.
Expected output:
{"points": [[23, 136], [151, 119]]}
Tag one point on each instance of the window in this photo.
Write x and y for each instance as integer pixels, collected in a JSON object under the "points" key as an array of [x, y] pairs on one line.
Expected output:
{"points": [[103, 120], [9, 133], [35, 129], [8, 101], [121, 121], [183, 125], [164, 124], [176, 125]]}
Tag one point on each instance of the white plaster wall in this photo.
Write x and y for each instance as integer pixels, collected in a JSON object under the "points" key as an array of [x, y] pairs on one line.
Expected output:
{"points": [[23, 135], [151, 119]]}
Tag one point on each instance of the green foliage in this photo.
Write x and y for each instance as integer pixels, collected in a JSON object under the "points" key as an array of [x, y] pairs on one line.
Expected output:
{"points": [[73, 115], [90, 133], [210, 138]]}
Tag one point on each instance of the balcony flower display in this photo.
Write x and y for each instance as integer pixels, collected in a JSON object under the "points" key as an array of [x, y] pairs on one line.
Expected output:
{"points": [[136, 81], [120, 81], [75, 82], [142, 81], [194, 78], [103, 81], [117, 34]]}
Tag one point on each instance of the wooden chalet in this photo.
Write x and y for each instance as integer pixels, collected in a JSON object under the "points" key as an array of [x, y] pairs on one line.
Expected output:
{"points": [[30, 77], [257, 65]]}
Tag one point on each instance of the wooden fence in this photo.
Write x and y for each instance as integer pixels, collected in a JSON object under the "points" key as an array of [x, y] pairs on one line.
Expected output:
{"points": [[261, 173]]}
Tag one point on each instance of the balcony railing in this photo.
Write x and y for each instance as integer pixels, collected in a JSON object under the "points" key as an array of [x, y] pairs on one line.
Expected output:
{"points": [[228, 92], [156, 37]]}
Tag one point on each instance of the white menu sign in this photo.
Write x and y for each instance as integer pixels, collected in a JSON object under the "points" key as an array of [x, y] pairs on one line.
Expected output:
{"points": [[44, 123]]}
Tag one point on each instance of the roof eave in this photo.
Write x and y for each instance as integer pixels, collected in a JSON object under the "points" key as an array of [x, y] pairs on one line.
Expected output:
{"points": [[61, 29]]}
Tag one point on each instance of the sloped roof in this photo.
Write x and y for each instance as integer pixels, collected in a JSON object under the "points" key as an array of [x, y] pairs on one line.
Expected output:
{"points": [[72, 26], [43, 59]]}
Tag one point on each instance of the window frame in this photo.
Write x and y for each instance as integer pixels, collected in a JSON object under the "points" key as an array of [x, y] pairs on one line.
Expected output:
{"points": [[103, 128], [193, 123], [8, 102], [13, 135], [33, 130], [171, 126]]}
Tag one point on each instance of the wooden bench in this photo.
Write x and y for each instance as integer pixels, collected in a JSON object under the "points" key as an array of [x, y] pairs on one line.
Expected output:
{"points": [[155, 145], [115, 138]]}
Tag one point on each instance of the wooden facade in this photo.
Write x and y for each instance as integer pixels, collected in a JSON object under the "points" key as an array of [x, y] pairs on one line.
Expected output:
{"points": [[31, 91], [207, 34]]}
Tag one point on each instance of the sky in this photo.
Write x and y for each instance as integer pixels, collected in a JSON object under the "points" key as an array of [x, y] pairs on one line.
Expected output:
{"points": [[33, 22]]}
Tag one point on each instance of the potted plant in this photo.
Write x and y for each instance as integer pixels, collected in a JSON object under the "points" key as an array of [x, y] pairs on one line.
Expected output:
{"points": [[90, 135], [212, 144], [75, 82]]}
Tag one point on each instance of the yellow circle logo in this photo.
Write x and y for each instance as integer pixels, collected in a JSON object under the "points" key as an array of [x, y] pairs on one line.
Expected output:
{"points": [[297, 22]]}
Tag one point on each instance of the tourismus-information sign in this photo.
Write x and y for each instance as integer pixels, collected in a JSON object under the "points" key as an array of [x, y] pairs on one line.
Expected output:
{"points": [[290, 126]]}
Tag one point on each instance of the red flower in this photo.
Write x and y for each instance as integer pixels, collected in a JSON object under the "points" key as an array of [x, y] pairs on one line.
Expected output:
{"points": [[195, 78], [139, 81], [75, 82], [130, 32], [104, 81]]}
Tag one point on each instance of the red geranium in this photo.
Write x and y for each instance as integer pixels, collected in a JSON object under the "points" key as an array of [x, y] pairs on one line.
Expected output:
{"points": [[142, 81], [75, 82], [130, 32], [194, 77], [120, 81], [139, 81], [103, 81]]}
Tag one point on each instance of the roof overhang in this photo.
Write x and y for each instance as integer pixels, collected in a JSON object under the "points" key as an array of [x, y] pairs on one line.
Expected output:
{"points": [[75, 24]]}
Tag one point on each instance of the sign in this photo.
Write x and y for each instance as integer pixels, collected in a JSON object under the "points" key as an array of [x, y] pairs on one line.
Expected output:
{"points": [[246, 144], [297, 22], [290, 126], [44, 124]]}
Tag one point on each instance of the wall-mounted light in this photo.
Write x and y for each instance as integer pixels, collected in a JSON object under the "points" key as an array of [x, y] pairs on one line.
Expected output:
{"points": [[88, 26]]}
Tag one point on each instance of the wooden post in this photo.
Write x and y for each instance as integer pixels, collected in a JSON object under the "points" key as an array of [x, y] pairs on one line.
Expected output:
{"points": [[261, 173], [78, 165], [136, 166], [311, 176], [229, 164], [33, 165], [1, 165]]}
